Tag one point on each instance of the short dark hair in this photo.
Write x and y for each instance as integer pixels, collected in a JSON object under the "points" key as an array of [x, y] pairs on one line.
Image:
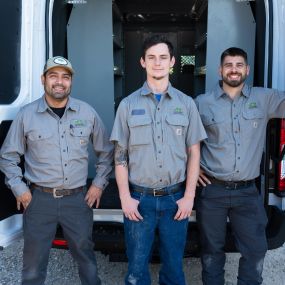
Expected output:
{"points": [[233, 51], [154, 40]]}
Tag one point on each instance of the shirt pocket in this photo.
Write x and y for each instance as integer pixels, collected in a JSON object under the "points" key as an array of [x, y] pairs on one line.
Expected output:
{"points": [[176, 128], [216, 127], [140, 130], [40, 144], [78, 146], [252, 122]]}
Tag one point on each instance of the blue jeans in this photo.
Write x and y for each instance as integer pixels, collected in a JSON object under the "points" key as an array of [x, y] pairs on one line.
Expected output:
{"points": [[158, 213], [245, 210]]}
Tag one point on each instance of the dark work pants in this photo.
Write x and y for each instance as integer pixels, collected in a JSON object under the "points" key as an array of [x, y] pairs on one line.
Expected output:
{"points": [[40, 222], [245, 210]]}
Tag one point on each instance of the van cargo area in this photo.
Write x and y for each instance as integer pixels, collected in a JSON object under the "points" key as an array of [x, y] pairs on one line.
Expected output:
{"points": [[103, 40]]}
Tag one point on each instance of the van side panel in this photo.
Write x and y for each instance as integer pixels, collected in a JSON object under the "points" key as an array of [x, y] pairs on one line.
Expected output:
{"points": [[230, 23]]}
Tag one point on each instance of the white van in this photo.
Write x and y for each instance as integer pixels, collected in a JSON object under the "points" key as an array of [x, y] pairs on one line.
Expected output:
{"points": [[103, 40]]}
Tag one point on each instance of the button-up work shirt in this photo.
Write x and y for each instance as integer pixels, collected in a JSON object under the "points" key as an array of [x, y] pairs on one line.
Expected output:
{"points": [[156, 135], [55, 149], [236, 130]]}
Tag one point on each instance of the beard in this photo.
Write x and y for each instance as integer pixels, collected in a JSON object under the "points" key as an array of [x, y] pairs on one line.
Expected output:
{"points": [[57, 95], [234, 83]]}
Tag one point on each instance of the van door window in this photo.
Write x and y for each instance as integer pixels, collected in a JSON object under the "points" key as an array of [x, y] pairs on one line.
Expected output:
{"points": [[10, 52]]}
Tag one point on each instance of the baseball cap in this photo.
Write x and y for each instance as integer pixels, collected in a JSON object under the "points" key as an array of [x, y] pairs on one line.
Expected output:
{"points": [[58, 61]]}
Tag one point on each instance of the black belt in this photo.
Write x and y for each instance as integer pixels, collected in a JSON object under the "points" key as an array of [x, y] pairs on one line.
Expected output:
{"points": [[232, 184], [160, 191], [57, 192]]}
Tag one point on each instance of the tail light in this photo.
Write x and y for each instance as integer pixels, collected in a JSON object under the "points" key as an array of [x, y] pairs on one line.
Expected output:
{"points": [[281, 174], [59, 243]]}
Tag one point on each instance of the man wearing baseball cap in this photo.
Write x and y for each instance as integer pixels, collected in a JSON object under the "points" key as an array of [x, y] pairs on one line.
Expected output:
{"points": [[53, 133]]}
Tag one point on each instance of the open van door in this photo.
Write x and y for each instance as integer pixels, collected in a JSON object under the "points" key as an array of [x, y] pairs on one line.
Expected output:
{"points": [[21, 56], [10, 78]]}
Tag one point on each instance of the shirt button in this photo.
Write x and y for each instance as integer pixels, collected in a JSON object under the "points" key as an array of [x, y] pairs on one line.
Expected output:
{"points": [[65, 178], [158, 108], [237, 171], [62, 136], [60, 122], [159, 151], [238, 144], [160, 180], [157, 123], [65, 164], [64, 150], [158, 137], [160, 166], [238, 157]]}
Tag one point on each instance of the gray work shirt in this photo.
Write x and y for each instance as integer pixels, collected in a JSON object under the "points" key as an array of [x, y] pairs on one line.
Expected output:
{"points": [[157, 134], [236, 130], [55, 149]]}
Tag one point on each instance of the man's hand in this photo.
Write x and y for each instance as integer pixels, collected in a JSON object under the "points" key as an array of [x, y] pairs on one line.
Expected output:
{"points": [[203, 180], [185, 206], [24, 199], [130, 209], [93, 195]]}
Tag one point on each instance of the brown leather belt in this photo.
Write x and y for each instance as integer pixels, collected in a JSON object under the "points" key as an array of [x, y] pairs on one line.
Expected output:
{"points": [[232, 184], [160, 191], [57, 192]]}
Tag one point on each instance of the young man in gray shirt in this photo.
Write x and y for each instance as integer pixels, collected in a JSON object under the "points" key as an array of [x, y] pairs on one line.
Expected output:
{"points": [[157, 133]]}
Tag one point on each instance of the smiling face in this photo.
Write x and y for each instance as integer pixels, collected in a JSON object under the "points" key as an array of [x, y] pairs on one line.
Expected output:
{"points": [[234, 71], [157, 62], [57, 85]]}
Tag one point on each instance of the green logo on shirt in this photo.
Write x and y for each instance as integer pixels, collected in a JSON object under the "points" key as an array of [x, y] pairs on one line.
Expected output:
{"points": [[178, 110], [78, 123], [252, 105]]}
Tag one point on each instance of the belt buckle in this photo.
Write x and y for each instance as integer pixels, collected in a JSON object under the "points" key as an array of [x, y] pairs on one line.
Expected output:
{"points": [[155, 190], [54, 193], [232, 185]]}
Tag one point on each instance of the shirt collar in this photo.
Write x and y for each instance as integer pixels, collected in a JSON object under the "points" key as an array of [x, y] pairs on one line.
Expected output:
{"points": [[145, 90], [71, 105], [220, 92]]}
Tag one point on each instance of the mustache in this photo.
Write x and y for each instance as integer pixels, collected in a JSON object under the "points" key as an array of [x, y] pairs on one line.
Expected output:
{"points": [[58, 85]]}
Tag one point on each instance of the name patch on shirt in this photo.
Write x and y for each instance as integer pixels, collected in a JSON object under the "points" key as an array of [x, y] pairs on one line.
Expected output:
{"points": [[138, 112]]}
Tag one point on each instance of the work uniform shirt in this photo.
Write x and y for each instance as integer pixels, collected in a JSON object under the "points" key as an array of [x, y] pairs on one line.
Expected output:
{"points": [[55, 149], [156, 135], [236, 130]]}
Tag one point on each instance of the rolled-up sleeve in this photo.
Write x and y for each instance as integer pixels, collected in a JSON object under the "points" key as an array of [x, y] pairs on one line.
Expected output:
{"points": [[195, 131], [120, 132], [276, 105], [10, 155], [104, 151]]}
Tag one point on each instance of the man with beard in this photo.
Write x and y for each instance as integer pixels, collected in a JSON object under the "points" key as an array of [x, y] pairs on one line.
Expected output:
{"points": [[157, 133], [235, 116], [52, 133]]}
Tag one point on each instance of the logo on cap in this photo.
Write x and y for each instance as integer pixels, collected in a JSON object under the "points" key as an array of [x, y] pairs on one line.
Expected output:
{"points": [[60, 60]]}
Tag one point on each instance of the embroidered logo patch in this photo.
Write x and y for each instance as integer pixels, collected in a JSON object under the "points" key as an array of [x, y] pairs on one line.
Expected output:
{"points": [[77, 123], [138, 112], [252, 105], [178, 110]]}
